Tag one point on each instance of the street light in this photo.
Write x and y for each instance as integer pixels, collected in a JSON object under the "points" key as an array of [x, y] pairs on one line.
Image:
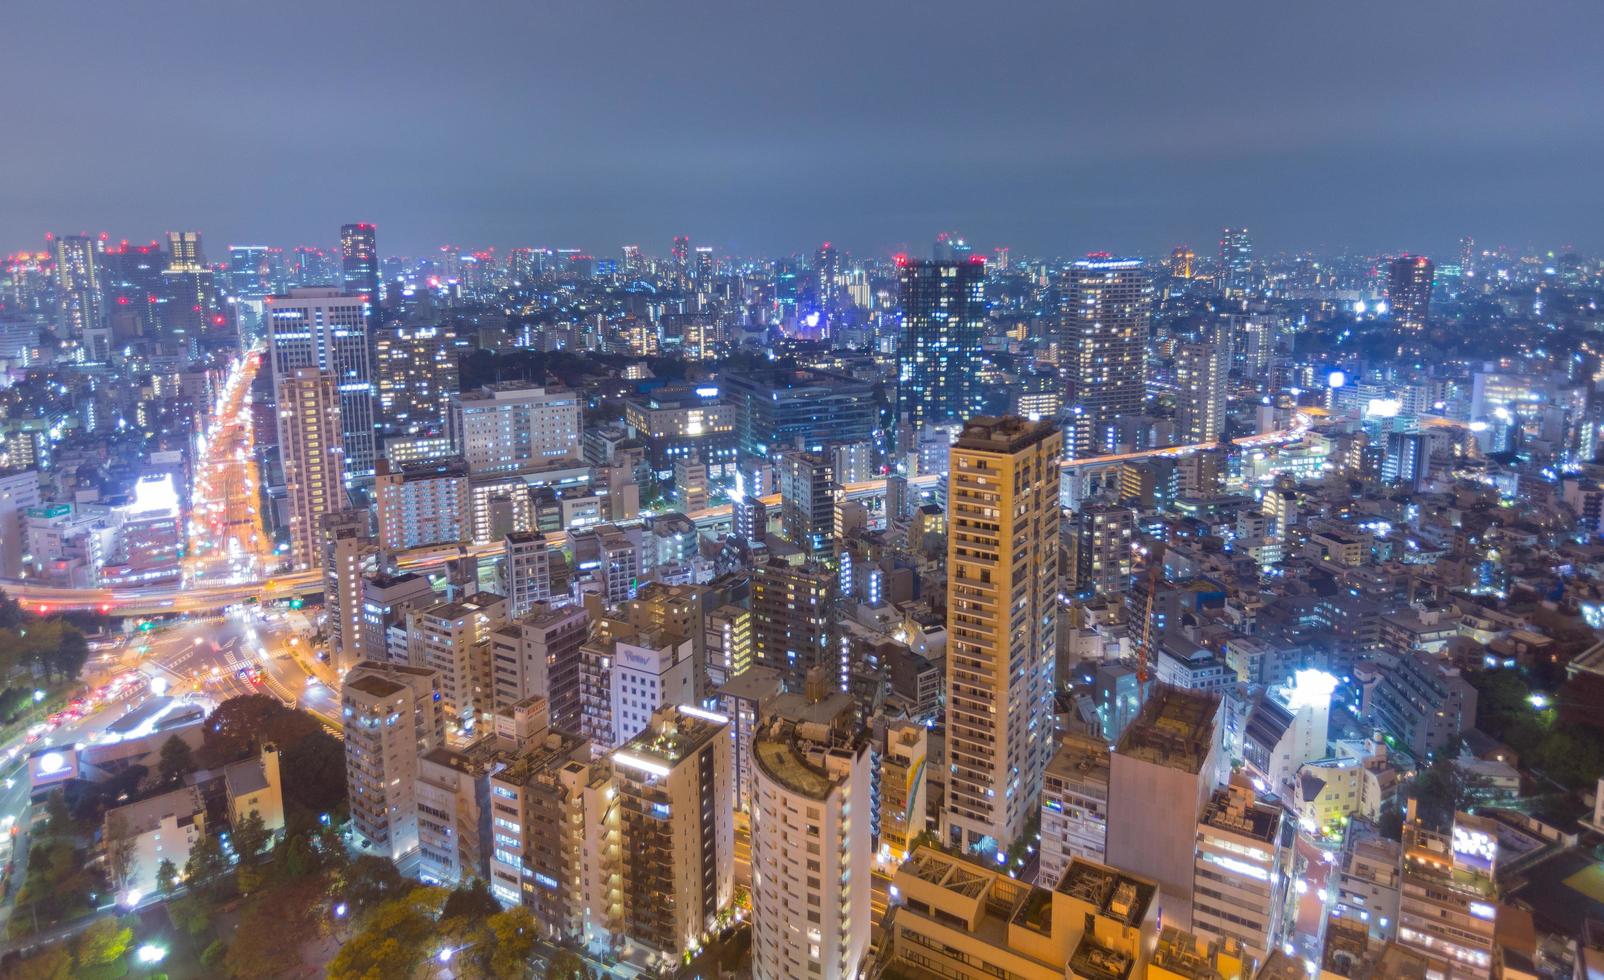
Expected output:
{"points": [[151, 954]]}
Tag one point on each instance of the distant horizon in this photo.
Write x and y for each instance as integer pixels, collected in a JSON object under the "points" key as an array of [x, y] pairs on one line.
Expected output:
{"points": [[216, 250], [1052, 128]]}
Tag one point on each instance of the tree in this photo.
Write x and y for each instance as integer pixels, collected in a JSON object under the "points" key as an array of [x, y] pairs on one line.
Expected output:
{"points": [[473, 902], [176, 760], [314, 772], [272, 929], [1390, 822], [233, 728], [369, 881], [567, 965], [516, 934], [166, 877], [397, 937], [105, 941], [50, 963], [120, 845], [206, 865], [11, 614], [1440, 792], [250, 837]]}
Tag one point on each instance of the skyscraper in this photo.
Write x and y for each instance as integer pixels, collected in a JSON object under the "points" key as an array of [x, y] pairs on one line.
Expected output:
{"points": [[1105, 326], [323, 329], [392, 717], [78, 307], [1200, 370], [1236, 262], [1002, 589], [1409, 279], [415, 370], [312, 449], [347, 546], [943, 316], [359, 255]]}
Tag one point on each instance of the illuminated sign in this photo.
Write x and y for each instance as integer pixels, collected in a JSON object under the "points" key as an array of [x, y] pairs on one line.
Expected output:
{"points": [[1475, 848]]}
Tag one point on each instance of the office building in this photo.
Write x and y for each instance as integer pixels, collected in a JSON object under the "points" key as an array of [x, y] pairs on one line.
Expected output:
{"points": [[1409, 282], [1237, 279], [1171, 752], [791, 615], [810, 837], [325, 330], [391, 717], [423, 503], [965, 920], [807, 501], [904, 788], [1448, 908], [1002, 595], [312, 450], [1104, 337], [938, 353], [676, 831], [512, 425], [347, 549], [415, 374], [453, 639], [779, 409], [1242, 871], [680, 422], [359, 262], [1074, 805], [1200, 386], [386, 600], [649, 670]]}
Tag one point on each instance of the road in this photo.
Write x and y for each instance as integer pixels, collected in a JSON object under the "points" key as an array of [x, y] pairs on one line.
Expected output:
{"points": [[227, 538]]}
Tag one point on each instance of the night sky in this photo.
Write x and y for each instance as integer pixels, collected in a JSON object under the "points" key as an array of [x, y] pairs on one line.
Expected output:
{"points": [[763, 128]]}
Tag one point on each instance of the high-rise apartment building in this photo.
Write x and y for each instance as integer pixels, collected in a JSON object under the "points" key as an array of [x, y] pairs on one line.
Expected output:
{"points": [[78, 296], [540, 824], [1104, 336], [386, 601], [528, 570], [391, 717], [1200, 386], [454, 640], [359, 262], [791, 618], [1409, 281], [347, 548], [422, 504], [938, 354], [807, 500], [312, 450], [538, 654], [512, 425], [1002, 594], [1170, 753], [810, 836], [674, 859], [1104, 534], [415, 373], [326, 330]]}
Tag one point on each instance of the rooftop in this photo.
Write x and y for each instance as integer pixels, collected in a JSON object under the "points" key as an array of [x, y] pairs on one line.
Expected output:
{"points": [[1002, 434], [673, 734], [1175, 729], [1114, 894]]}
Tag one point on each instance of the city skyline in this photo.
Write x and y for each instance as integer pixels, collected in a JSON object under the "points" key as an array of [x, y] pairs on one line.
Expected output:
{"points": [[1315, 132]]}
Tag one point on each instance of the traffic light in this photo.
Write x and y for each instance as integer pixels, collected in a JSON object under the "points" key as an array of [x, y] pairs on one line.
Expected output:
{"points": [[297, 602]]}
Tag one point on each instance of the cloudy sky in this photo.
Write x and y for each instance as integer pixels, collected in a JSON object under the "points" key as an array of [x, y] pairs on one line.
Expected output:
{"points": [[763, 128]]}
